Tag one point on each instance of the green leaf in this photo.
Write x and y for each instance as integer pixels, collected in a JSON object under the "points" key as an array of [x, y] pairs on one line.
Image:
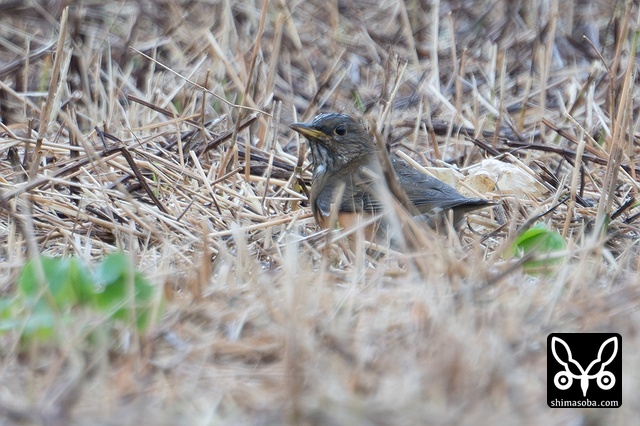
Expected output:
{"points": [[82, 281], [112, 268], [539, 240], [115, 276], [68, 281], [357, 100], [51, 291], [39, 325], [177, 105], [5, 307], [55, 280], [7, 314], [145, 293], [36, 322]]}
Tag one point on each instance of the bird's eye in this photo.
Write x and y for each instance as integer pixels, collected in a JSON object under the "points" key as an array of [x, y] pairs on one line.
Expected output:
{"points": [[341, 130]]}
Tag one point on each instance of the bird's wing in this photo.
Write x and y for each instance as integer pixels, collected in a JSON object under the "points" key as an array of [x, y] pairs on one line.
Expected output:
{"points": [[428, 193], [362, 189]]}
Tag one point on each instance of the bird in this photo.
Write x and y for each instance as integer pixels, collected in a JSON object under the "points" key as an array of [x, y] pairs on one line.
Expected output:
{"points": [[346, 164]]}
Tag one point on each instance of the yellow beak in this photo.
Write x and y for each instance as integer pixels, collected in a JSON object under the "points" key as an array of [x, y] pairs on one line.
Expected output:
{"points": [[307, 131]]}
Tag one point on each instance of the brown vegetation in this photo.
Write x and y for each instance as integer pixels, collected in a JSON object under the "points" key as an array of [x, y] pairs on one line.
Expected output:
{"points": [[161, 128]]}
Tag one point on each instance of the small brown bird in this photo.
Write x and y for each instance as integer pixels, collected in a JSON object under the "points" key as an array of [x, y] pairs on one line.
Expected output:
{"points": [[345, 159]]}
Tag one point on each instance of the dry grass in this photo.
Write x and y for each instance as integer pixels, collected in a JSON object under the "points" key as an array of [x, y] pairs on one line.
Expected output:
{"points": [[268, 320]]}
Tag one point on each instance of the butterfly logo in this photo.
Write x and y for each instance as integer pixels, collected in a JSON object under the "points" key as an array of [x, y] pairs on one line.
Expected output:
{"points": [[564, 379]]}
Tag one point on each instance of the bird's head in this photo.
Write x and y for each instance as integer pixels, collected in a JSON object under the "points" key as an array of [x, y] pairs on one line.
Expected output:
{"points": [[336, 140]]}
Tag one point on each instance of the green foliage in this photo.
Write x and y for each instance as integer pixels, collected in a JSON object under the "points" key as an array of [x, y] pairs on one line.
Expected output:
{"points": [[539, 241], [178, 106], [52, 291], [357, 101], [68, 281], [115, 277]]}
